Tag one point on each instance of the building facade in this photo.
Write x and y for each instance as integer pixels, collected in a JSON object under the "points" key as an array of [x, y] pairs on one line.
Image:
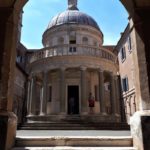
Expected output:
{"points": [[73, 64], [125, 49]]}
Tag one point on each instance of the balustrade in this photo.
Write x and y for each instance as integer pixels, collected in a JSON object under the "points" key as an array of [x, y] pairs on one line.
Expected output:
{"points": [[72, 50]]}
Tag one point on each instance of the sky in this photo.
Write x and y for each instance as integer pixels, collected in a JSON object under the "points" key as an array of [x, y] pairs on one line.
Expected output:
{"points": [[110, 15]]}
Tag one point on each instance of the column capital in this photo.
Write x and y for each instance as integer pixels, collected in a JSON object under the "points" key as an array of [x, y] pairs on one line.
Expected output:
{"points": [[101, 70], [32, 75], [83, 68], [45, 72], [115, 77], [62, 68], [111, 73]]}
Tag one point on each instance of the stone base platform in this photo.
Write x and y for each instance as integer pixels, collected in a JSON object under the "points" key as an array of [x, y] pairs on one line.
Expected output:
{"points": [[74, 148], [74, 122], [86, 117]]}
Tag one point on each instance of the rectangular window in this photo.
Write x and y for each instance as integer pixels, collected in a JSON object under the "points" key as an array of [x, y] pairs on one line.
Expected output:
{"points": [[50, 94], [125, 85], [72, 41], [129, 43], [72, 49], [123, 54]]}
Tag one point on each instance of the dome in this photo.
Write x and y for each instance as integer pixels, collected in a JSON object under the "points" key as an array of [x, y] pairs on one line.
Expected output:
{"points": [[73, 17]]}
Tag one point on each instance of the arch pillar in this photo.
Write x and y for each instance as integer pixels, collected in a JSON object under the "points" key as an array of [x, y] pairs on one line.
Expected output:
{"points": [[9, 14]]}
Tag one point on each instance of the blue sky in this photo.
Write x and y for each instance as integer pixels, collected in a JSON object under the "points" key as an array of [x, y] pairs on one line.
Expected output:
{"points": [[110, 15]]}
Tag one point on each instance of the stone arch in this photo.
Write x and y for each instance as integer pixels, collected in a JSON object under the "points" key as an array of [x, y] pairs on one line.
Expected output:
{"points": [[138, 10]]}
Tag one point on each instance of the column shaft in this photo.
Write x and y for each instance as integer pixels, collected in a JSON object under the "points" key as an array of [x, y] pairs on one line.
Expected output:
{"points": [[43, 107], [117, 95], [101, 93], [112, 94], [62, 90], [83, 91], [32, 96], [28, 97]]}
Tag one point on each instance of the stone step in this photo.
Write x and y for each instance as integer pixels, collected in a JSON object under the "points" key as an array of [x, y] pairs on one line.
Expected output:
{"points": [[75, 141], [74, 126], [74, 148]]}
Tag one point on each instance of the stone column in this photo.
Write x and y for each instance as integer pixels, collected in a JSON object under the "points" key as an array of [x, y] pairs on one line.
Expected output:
{"points": [[43, 104], [112, 94], [28, 96], [62, 91], [117, 95], [9, 14], [83, 91], [101, 92], [31, 109]]}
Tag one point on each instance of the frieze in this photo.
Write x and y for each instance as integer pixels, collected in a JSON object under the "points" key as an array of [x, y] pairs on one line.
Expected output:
{"points": [[53, 31]]}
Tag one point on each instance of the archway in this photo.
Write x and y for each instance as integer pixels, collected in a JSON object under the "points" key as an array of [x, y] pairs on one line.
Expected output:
{"points": [[139, 10]]}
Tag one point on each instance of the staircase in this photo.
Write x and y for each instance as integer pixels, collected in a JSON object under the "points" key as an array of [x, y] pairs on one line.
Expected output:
{"points": [[72, 123], [73, 133]]}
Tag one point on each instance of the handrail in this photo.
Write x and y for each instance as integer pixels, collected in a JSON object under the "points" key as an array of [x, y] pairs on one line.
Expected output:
{"points": [[72, 49]]}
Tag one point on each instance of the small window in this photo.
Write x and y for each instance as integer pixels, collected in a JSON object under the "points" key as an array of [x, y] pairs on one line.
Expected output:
{"points": [[50, 94], [72, 40], [123, 54], [72, 49], [129, 44], [125, 85]]}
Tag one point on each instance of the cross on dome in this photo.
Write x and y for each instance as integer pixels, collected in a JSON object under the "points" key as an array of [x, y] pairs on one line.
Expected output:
{"points": [[72, 5]]}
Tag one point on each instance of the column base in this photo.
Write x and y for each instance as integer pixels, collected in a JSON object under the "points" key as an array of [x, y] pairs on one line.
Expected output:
{"points": [[30, 115], [42, 114], [103, 114], [63, 113], [84, 113], [140, 129], [8, 126]]}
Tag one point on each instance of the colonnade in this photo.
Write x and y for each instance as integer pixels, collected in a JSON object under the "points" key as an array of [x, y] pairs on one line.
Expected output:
{"points": [[114, 93]]}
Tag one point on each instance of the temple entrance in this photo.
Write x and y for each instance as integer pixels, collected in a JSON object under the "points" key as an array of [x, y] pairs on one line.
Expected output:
{"points": [[73, 100]]}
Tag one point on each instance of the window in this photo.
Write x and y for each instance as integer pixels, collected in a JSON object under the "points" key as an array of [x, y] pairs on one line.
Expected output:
{"points": [[50, 94], [129, 43], [72, 40], [72, 49], [107, 86], [20, 59], [123, 54], [125, 86]]}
